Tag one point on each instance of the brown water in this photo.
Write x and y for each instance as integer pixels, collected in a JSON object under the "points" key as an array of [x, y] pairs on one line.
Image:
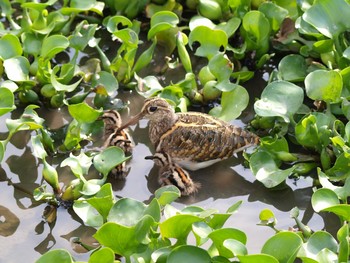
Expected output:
{"points": [[24, 236]]}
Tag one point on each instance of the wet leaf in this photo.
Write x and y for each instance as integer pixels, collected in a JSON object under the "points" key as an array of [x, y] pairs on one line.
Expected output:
{"points": [[261, 258], [87, 213], [324, 198], [236, 247], [162, 21], [274, 13], [280, 98], [127, 212], [109, 158], [103, 200], [6, 101], [53, 45], [61, 86], [82, 35], [107, 81], [324, 85], [188, 253], [103, 255], [284, 246], [167, 194]]}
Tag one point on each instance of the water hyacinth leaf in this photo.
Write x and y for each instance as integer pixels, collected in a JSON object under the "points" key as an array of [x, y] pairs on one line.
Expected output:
{"points": [[103, 255], [324, 198], [10, 46], [232, 104], [267, 217], [82, 35], [219, 236], [6, 101], [266, 170], [261, 258], [56, 255], [221, 67], [328, 17], [284, 246], [340, 168], [178, 226], [279, 98], [38, 147], [324, 85], [162, 21], [230, 26], [109, 158], [17, 68], [218, 219], [342, 236], [318, 242], [103, 200], [53, 45], [113, 23], [200, 21], [87, 213], [121, 239], [28, 121], [106, 80], [161, 255], [2, 149], [188, 253], [148, 86], [274, 13], [127, 212], [292, 68], [145, 58], [211, 41], [201, 231], [181, 41], [60, 86], [77, 6], [256, 31], [78, 164], [236, 247], [82, 112], [167, 194]]}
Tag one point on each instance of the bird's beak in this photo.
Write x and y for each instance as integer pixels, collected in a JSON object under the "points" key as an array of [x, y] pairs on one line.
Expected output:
{"points": [[132, 121], [151, 157]]}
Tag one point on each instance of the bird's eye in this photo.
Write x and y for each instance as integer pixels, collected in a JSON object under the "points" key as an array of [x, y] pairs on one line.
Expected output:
{"points": [[152, 109]]}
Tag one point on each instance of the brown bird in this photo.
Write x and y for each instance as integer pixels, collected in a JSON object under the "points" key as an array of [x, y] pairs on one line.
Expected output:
{"points": [[171, 173], [117, 137], [193, 140]]}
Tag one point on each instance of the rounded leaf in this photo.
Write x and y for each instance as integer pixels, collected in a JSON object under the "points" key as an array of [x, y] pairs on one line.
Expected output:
{"points": [[6, 101], [188, 254], [53, 45], [109, 158], [324, 85], [10, 47], [127, 212], [56, 256], [292, 68], [324, 198], [17, 68], [82, 112]]}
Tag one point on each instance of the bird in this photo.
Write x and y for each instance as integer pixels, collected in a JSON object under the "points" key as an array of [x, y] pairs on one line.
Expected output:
{"points": [[172, 174], [113, 136], [193, 140]]}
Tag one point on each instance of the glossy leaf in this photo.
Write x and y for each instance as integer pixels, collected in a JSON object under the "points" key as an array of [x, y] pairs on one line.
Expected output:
{"points": [[232, 104], [107, 81], [121, 239], [328, 17], [324, 198], [279, 98], [324, 85], [87, 213], [188, 253], [17, 68], [293, 68], [236, 247], [167, 194], [211, 41], [56, 256], [103, 255], [6, 101], [261, 258], [61, 86], [127, 212], [82, 112], [10, 47], [284, 246], [162, 21], [109, 158], [274, 13], [53, 45]]}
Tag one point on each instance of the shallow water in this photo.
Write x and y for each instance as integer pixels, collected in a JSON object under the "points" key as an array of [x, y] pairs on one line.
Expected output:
{"points": [[24, 235]]}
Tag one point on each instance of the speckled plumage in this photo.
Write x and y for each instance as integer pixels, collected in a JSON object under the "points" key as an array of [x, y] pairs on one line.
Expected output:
{"points": [[116, 137]]}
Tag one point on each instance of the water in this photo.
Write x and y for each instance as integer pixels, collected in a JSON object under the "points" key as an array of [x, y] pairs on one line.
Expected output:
{"points": [[24, 235]]}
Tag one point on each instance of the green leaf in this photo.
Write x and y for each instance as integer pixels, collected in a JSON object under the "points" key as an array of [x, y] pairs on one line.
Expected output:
{"points": [[324, 85], [87, 213], [211, 41], [279, 98], [178, 226], [274, 13], [114, 22], [188, 253], [236, 247], [60, 86], [261, 258], [106, 80], [293, 68], [329, 17], [232, 104], [167, 194], [7, 103], [324, 198], [2, 149], [56, 256], [109, 158], [103, 255], [82, 35], [219, 236], [121, 239], [127, 212], [10, 47], [284, 246], [266, 170], [17, 68], [53, 45], [83, 113], [162, 21]]}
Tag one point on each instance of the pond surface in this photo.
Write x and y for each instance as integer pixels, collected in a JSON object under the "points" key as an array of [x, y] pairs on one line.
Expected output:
{"points": [[24, 235]]}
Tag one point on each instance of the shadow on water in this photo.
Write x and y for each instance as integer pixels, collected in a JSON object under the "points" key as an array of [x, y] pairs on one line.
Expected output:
{"points": [[223, 184]]}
